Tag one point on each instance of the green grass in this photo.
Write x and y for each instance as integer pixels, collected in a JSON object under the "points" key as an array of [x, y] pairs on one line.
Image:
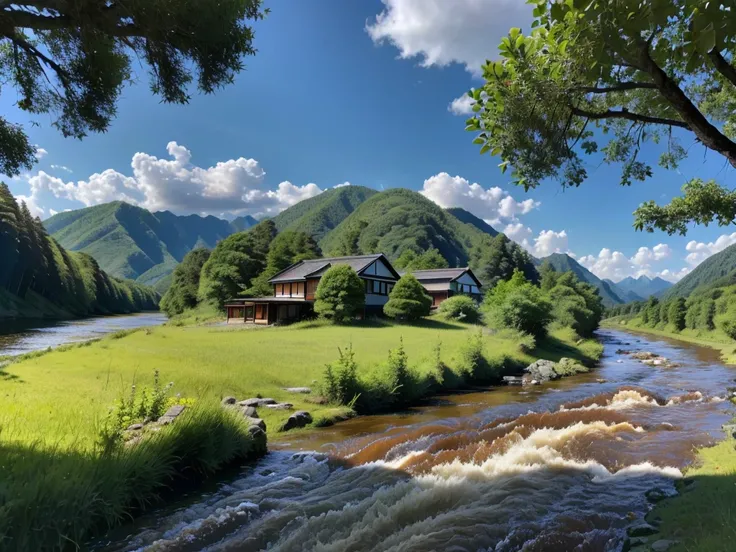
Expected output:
{"points": [[713, 339], [57, 497], [59, 396], [703, 516]]}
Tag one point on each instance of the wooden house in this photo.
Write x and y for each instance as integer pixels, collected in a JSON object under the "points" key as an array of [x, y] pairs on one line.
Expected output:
{"points": [[443, 283], [294, 289]]}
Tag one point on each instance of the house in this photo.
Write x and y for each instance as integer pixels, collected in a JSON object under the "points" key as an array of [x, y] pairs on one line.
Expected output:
{"points": [[294, 289], [443, 283]]}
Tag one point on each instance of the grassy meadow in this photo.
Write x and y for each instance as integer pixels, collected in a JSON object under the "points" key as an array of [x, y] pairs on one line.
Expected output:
{"points": [[60, 396]]}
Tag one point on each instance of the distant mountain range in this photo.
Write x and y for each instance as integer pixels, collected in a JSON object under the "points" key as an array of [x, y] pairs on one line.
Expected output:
{"points": [[130, 242], [638, 289]]}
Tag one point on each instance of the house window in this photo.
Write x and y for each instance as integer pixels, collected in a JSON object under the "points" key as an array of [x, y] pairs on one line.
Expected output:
{"points": [[300, 288], [376, 287]]}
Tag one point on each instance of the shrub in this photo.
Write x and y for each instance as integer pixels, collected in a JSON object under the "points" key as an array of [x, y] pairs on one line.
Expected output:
{"points": [[341, 385], [471, 355], [408, 300], [340, 294], [523, 309], [728, 325], [460, 307]]}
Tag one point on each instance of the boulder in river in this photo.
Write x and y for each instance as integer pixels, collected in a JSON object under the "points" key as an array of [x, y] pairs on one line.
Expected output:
{"points": [[513, 380], [542, 370]]}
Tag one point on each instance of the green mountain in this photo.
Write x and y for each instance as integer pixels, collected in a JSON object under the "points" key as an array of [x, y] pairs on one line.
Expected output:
{"points": [[243, 223], [318, 215], [399, 219], [468, 218], [625, 295], [720, 266], [130, 242], [564, 263]]}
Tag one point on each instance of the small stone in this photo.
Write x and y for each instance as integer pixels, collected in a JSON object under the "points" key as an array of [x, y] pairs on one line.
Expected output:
{"points": [[297, 419], [299, 390], [280, 406], [250, 412], [542, 370], [513, 380], [135, 427], [164, 420], [174, 411], [656, 495], [601, 380], [663, 545], [633, 544], [257, 402], [256, 422], [228, 400], [641, 530]]}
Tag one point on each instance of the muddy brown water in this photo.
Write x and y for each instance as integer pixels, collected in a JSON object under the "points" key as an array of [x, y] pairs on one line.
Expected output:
{"points": [[563, 466]]}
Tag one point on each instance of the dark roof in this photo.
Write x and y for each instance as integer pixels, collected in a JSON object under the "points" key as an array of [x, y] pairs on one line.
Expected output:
{"points": [[446, 274], [239, 302], [316, 267]]}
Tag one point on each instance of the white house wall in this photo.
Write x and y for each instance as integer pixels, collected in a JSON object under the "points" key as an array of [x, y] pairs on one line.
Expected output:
{"points": [[379, 268]]}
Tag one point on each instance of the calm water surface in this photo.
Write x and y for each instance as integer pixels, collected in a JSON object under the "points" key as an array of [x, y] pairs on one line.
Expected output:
{"points": [[18, 337], [564, 466]]}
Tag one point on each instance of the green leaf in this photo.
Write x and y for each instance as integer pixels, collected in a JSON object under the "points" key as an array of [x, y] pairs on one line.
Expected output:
{"points": [[479, 141], [485, 149], [496, 151], [706, 40], [514, 32], [503, 166], [519, 41]]}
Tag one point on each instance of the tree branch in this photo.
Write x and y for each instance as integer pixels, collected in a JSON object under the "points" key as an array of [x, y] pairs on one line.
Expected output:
{"points": [[40, 22], [40, 56], [618, 87], [613, 114], [722, 65]]}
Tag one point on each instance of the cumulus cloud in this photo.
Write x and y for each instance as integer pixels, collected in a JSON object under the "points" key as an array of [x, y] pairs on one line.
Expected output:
{"points": [[461, 106], [490, 204], [342, 185], [236, 186], [41, 153], [439, 32], [549, 242], [616, 266], [61, 168], [30, 201], [699, 251]]}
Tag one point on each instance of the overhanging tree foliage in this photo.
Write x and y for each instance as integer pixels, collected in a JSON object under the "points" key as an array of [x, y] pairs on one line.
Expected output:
{"points": [[71, 58], [635, 70]]}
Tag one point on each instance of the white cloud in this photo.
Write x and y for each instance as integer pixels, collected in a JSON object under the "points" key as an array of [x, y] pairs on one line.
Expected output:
{"points": [[61, 168], [53, 212], [645, 256], [699, 251], [462, 105], [518, 232], [490, 204], [616, 266], [175, 184], [549, 242], [440, 32], [30, 201], [41, 153], [342, 185]]}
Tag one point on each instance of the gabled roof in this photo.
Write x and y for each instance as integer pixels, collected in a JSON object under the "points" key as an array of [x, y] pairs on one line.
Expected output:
{"points": [[443, 274], [314, 268]]}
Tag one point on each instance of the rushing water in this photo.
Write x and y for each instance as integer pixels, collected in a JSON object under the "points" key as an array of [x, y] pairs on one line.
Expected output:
{"points": [[18, 337], [563, 466]]}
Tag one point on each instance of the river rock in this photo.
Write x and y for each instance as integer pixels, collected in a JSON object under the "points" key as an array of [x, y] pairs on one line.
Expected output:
{"points": [[250, 412], [513, 380], [256, 422], [228, 400], [623, 352], [663, 545], [642, 529], [298, 390], [542, 370], [135, 427], [257, 402], [644, 355], [730, 429], [634, 544], [656, 495], [174, 411], [259, 440], [297, 419], [280, 406]]}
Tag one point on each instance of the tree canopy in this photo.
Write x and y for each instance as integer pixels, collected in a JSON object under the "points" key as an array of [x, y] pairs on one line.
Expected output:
{"points": [[411, 260], [408, 300], [182, 294], [340, 294], [71, 59], [605, 77]]}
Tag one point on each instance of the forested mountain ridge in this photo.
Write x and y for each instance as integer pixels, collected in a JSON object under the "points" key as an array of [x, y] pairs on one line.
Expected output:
{"points": [[562, 262], [131, 242], [319, 215], [721, 266], [469, 218], [635, 289], [39, 278]]}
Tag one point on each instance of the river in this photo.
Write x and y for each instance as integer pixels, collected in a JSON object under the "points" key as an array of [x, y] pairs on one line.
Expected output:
{"points": [[563, 466], [18, 337]]}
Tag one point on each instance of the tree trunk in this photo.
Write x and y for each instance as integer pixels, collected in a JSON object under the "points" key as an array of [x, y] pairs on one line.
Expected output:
{"points": [[708, 134]]}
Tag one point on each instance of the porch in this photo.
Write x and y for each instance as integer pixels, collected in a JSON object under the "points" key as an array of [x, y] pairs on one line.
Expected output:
{"points": [[267, 310]]}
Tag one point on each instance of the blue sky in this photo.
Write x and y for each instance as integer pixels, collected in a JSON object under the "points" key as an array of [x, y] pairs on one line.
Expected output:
{"points": [[357, 92]]}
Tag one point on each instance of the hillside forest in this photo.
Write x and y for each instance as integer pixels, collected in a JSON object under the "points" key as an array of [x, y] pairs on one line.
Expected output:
{"points": [[39, 277]]}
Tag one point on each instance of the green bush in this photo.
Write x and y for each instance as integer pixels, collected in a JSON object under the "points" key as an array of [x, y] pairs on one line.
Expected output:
{"points": [[341, 385], [182, 293], [460, 307], [340, 294], [408, 300], [729, 327]]}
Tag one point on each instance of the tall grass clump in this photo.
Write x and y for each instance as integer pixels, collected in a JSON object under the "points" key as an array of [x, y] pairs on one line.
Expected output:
{"points": [[54, 498]]}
